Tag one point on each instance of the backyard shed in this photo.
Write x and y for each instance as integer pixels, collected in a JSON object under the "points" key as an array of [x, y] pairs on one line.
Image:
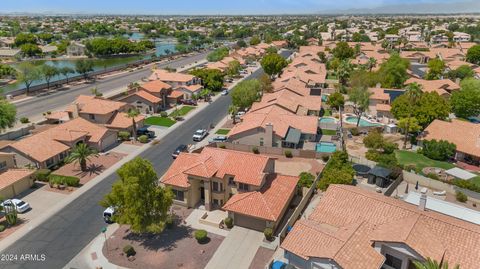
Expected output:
{"points": [[379, 176]]}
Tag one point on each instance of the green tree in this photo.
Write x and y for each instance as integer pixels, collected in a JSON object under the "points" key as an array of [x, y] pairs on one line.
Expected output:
{"points": [[466, 102], [336, 100], [462, 72], [8, 112], [241, 43], [273, 64], [438, 150], [138, 199], [7, 71], [255, 40], [432, 264], [66, 71], [337, 171], [212, 79], [372, 63], [343, 51], [343, 72], [473, 54], [48, 72], [431, 106], [24, 38], [408, 125], [393, 72], [132, 114], [436, 67], [30, 50], [266, 83], [360, 98], [28, 73], [83, 67], [81, 153], [232, 111], [245, 93], [218, 54], [233, 68]]}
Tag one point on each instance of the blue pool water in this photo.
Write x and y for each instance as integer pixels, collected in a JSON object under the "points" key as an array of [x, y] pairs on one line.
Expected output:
{"points": [[327, 120], [363, 123], [326, 147], [324, 98]]}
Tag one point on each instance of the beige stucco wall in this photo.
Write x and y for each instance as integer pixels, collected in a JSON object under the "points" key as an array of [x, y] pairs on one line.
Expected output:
{"points": [[9, 159], [100, 119], [16, 188]]}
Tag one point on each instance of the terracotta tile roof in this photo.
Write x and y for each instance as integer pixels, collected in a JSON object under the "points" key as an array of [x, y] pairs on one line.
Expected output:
{"points": [[147, 96], [288, 100], [97, 105], [175, 94], [378, 94], [58, 115], [382, 219], [164, 75], [440, 86], [122, 121], [464, 134], [246, 168], [383, 107], [269, 202], [456, 64], [11, 176], [155, 86], [192, 88]]}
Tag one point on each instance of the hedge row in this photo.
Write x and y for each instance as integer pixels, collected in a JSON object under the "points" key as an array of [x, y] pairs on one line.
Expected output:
{"points": [[64, 180]]}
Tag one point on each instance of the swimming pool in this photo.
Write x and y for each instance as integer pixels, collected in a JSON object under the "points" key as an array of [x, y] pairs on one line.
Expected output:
{"points": [[326, 147], [324, 98], [363, 122], [327, 120]]}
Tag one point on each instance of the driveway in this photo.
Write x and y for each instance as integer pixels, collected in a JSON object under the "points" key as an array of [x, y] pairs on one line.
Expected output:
{"points": [[237, 250]]}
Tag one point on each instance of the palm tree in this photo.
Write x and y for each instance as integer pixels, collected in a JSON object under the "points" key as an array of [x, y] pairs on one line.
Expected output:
{"points": [[413, 93], [432, 264], [81, 154], [372, 62], [233, 110], [133, 113]]}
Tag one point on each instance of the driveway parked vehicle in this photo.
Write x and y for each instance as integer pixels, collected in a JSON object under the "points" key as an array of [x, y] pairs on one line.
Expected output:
{"points": [[189, 102], [225, 92], [199, 135], [108, 214], [145, 131], [15, 204], [218, 138], [178, 150]]}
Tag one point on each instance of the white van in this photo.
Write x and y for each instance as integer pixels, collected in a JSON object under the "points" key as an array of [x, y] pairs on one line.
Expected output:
{"points": [[108, 214]]}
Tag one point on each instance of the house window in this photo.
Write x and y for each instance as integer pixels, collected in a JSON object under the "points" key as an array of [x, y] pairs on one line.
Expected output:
{"points": [[230, 181], [216, 186], [49, 162], [3, 165], [243, 187], [179, 195], [261, 141], [91, 116], [217, 202], [393, 262]]}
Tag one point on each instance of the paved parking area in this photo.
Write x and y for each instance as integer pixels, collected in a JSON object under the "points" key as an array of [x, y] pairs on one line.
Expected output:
{"points": [[40, 200]]}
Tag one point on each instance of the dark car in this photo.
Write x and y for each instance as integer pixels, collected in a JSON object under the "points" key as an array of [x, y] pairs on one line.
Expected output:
{"points": [[178, 150], [145, 131], [189, 102]]}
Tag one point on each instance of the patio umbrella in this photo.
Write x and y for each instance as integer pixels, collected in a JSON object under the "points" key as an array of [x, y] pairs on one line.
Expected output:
{"points": [[406, 188], [416, 186]]}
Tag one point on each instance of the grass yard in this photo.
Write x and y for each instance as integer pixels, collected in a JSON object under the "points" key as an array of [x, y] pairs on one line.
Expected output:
{"points": [[327, 113], [329, 132], [182, 111], [420, 161], [159, 121], [222, 131]]}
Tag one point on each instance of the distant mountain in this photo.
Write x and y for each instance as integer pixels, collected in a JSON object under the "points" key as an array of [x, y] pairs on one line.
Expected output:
{"points": [[421, 8]]}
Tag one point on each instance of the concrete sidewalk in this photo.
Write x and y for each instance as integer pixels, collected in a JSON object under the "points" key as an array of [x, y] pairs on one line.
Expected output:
{"points": [[237, 249]]}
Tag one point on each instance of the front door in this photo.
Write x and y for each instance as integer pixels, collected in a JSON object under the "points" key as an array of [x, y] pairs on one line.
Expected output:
{"points": [[202, 193]]}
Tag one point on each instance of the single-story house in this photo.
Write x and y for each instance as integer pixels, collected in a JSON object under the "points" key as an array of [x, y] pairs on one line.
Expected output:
{"points": [[13, 180]]}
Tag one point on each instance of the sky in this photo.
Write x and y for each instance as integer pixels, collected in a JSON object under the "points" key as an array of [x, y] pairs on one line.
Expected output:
{"points": [[213, 7]]}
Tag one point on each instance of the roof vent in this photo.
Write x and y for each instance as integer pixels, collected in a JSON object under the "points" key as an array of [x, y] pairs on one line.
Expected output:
{"points": [[423, 199]]}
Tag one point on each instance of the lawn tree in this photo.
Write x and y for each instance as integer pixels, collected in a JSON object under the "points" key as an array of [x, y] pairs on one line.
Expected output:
{"points": [[255, 40], [80, 154], [473, 55], [48, 72], [343, 51], [138, 199], [132, 114], [337, 171], [372, 63], [30, 50], [432, 264], [266, 83], [8, 112], [393, 72], [66, 71], [359, 96], [436, 68], [273, 64], [212, 79], [430, 107], [232, 111], [28, 73], [462, 72], [233, 68], [245, 93], [408, 125], [343, 72], [336, 100], [466, 102], [83, 67]]}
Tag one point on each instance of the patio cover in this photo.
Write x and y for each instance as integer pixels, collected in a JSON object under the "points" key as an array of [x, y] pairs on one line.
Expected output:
{"points": [[460, 173], [380, 171], [293, 136]]}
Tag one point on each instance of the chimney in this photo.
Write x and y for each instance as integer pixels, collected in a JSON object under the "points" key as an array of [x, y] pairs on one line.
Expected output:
{"points": [[268, 135], [423, 199], [75, 110]]}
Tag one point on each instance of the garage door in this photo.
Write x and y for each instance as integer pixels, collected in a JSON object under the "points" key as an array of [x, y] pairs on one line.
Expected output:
{"points": [[249, 222]]}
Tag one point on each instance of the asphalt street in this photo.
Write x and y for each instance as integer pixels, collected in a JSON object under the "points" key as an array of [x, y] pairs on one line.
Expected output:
{"points": [[39, 105], [61, 237]]}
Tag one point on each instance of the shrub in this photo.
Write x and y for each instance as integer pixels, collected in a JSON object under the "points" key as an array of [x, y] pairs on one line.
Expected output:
{"points": [[268, 232], [124, 136], [255, 150], [170, 221], [461, 197], [2, 228], [355, 131], [163, 114], [325, 158], [42, 175], [129, 250], [64, 180], [288, 153], [143, 139], [24, 120], [228, 222], [201, 236], [306, 180], [222, 146], [438, 150], [11, 218], [433, 176], [410, 167]]}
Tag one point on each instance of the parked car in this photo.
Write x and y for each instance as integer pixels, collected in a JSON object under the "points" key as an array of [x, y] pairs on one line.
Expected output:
{"points": [[15, 204], [180, 148], [224, 92], [199, 135], [108, 214], [189, 102], [218, 138], [144, 131]]}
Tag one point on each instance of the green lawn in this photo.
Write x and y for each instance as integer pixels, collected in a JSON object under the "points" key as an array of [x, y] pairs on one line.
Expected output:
{"points": [[182, 111], [222, 131], [329, 132], [327, 113], [420, 161], [159, 121]]}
